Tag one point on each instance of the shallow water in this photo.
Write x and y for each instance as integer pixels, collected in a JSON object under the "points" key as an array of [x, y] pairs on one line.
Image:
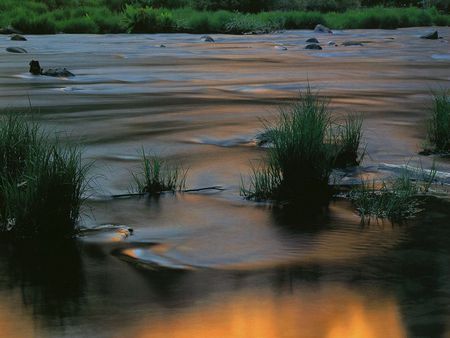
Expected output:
{"points": [[210, 264]]}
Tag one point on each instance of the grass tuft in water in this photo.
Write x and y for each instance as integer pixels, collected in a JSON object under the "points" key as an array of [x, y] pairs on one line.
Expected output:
{"points": [[156, 175], [299, 161], [396, 199], [438, 139], [42, 182], [349, 137], [304, 146]]}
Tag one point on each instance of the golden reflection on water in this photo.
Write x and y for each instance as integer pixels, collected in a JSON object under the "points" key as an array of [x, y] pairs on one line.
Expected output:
{"points": [[332, 313], [13, 322]]}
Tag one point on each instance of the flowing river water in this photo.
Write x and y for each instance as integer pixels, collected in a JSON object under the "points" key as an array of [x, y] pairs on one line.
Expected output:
{"points": [[210, 264]]}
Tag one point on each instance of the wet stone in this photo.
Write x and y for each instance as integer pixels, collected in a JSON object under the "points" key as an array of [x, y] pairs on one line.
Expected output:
{"points": [[18, 37], [313, 46], [431, 36], [322, 29], [17, 50], [312, 40], [207, 38]]}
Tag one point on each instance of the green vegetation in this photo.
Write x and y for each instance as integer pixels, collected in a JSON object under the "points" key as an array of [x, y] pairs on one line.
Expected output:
{"points": [[395, 199], [41, 182], [156, 176], [305, 146], [212, 16], [348, 139], [439, 125]]}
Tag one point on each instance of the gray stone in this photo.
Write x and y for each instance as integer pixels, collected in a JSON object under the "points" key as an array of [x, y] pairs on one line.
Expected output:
{"points": [[207, 38], [351, 43], [312, 40], [16, 50], [58, 72], [322, 29], [280, 48], [313, 46], [9, 30], [431, 36], [18, 37], [35, 69]]}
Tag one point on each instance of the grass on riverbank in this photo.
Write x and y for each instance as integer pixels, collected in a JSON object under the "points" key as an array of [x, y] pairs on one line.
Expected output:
{"points": [[438, 139], [156, 175], [39, 18], [42, 182], [305, 146]]}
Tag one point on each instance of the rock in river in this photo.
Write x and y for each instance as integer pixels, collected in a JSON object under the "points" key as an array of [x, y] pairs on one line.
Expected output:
{"points": [[312, 40], [280, 48], [351, 43], [431, 36], [9, 30], [322, 29], [35, 69], [16, 50], [18, 37], [207, 38], [313, 46]]}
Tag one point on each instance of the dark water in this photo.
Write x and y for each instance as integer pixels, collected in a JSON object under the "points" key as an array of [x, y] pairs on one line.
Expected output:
{"points": [[210, 264]]}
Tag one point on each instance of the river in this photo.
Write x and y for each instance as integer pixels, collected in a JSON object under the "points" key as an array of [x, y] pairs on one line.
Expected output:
{"points": [[211, 264]]}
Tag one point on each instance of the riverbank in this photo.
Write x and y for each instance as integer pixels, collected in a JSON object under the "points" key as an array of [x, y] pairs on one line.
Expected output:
{"points": [[38, 18]]}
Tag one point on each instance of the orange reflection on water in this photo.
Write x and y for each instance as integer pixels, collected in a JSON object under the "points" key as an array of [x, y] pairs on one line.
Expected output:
{"points": [[334, 313], [13, 321]]}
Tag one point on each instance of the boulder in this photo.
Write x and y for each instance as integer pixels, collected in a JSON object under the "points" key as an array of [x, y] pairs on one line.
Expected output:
{"points": [[58, 72], [351, 43], [312, 40], [18, 37], [9, 30], [162, 46], [207, 38], [35, 69], [332, 43], [431, 36], [280, 48], [322, 29], [313, 46], [16, 50]]}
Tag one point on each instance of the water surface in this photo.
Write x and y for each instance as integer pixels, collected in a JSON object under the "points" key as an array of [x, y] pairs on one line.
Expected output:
{"points": [[211, 264]]}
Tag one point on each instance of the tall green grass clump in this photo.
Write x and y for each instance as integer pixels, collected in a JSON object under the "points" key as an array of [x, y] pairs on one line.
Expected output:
{"points": [[439, 125], [304, 146], [349, 138], [42, 183], [156, 175], [299, 161]]}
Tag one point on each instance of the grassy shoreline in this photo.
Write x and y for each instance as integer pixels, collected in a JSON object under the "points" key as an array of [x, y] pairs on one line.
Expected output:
{"points": [[37, 18]]}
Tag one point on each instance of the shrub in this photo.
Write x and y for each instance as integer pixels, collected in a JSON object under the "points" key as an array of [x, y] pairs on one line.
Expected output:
{"points": [[34, 24], [78, 25], [148, 20]]}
